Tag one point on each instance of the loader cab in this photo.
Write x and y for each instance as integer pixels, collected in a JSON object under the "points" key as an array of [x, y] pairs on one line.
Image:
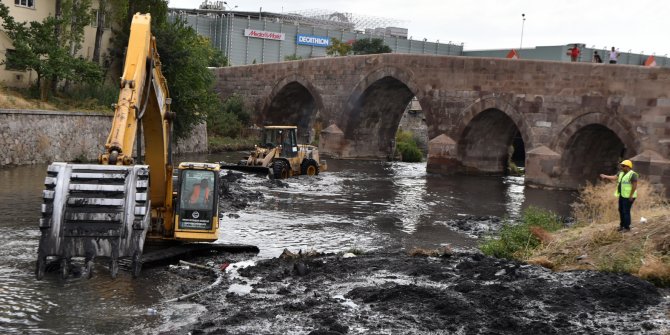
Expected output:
{"points": [[197, 202], [284, 136]]}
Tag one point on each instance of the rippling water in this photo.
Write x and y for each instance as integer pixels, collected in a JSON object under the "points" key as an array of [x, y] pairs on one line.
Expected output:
{"points": [[356, 204]]}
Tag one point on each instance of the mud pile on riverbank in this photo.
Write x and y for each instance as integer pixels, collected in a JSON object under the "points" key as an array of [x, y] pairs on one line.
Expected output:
{"points": [[394, 293]]}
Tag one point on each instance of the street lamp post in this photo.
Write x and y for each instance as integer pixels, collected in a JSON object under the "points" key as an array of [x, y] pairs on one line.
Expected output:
{"points": [[523, 21]]}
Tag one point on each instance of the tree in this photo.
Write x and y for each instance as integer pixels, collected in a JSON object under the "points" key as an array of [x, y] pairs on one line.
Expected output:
{"points": [[74, 16], [46, 48], [100, 29], [184, 56], [368, 46], [229, 121], [338, 47]]}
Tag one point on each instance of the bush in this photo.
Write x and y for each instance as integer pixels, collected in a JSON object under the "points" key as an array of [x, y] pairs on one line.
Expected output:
{"points": [[407, 147], [230, 120], [516, 241], [410, 152], [291, 57], [91, 96], [218, 144]]}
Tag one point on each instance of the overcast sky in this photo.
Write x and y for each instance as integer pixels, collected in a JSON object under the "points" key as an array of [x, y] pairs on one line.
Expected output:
{"points": [[637, 25]]}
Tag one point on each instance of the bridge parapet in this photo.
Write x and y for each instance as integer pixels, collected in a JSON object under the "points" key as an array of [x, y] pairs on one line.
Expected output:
{"points": [[574, 120]]}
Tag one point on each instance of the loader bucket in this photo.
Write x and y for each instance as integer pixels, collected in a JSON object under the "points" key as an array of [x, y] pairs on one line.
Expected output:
{"points": [[261, 170], [94, 211]]}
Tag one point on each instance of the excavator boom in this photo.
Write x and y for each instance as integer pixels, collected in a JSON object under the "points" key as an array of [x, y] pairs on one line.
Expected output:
{"points": [[108, 209]]}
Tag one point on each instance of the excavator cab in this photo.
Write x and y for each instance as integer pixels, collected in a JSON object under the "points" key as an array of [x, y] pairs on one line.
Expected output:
{"points": [[197, 215]]}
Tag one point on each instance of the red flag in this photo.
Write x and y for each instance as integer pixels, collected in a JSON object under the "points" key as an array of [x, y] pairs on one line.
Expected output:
{"points": [[512, 54], [650, 62]]}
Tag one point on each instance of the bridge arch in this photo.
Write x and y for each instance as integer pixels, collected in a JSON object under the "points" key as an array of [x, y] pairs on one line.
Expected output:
{"points": [[374, 109], [293, 101], [591, 144], [486, 130]]}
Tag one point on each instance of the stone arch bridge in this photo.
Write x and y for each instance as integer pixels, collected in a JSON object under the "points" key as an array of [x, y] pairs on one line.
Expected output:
{"points": [[576, 120]]}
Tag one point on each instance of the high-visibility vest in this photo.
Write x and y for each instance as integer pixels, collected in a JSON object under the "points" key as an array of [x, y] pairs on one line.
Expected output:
{"points": [[196, 194], [626, 186]]}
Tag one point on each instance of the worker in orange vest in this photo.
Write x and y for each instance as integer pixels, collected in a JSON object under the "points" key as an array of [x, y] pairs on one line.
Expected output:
{"points": [[200, 193]]}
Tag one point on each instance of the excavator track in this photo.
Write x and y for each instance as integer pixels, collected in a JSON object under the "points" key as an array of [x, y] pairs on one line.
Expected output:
{"points": [[94, 211]]}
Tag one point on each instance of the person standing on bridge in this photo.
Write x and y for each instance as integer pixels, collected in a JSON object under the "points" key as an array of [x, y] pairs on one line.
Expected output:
{"points": [[574, 53], [626, 191], [596, 57], [614, 55]]}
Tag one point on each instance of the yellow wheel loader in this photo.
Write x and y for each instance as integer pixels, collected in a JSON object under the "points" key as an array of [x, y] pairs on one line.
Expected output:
{"points": [[108, 209], [280, 156]]}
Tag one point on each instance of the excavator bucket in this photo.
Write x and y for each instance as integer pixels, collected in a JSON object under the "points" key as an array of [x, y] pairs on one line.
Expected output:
{"points": [[94, 211]]}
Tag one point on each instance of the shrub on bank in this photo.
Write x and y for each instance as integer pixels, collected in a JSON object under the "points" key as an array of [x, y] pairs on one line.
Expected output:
{"points": [[219, 143], [407, 147], [230, 120], [517, 241]]}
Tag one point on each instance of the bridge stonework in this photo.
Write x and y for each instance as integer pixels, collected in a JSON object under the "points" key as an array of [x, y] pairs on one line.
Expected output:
{"points": [[576, 120]]}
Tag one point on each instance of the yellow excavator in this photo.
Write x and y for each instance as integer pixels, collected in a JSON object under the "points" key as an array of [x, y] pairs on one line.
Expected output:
{"points": [[109, 209]]}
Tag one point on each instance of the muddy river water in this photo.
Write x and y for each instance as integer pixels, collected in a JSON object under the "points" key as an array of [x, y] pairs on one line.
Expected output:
{"points": [[355, 204]]}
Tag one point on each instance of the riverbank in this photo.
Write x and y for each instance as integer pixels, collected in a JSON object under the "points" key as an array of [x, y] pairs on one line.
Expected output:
{"points": [[403, 291], [595, 244], [391, 292]]}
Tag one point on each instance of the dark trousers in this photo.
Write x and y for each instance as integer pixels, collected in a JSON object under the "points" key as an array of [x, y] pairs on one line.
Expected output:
{"points": [[624, 212]]}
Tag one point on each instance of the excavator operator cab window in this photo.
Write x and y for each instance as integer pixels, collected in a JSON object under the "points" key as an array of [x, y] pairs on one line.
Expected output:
{"points": [[198, 196]]}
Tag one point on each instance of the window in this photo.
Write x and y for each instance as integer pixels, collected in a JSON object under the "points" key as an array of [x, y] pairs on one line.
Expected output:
{"points": [[25, 3], [10, 65], [94, 22]]}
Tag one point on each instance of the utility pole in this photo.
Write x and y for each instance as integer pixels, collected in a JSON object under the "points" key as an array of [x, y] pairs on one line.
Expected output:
{"points": [[523, 21]]}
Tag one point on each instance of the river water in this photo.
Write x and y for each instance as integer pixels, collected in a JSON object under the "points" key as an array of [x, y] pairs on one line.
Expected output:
{"points": [[355, 204]]}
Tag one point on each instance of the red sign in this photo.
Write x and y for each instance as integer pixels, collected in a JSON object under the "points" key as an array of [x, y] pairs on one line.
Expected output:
{"points": [[268, 35]]}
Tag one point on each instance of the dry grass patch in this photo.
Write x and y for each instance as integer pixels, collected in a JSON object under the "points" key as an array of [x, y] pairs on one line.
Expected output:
{"points": [[594, 243], [12, 99], [542, 261], [597, 204]]}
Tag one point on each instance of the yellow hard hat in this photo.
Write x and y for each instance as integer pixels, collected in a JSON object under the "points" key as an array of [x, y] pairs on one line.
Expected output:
{"points": [[627, 163]]}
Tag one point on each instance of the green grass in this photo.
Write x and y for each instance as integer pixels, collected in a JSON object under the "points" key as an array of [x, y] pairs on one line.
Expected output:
{"points": [[516, 241]]}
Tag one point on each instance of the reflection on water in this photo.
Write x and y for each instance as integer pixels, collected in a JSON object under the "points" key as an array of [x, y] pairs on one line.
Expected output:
{"points": [[356, 204]]}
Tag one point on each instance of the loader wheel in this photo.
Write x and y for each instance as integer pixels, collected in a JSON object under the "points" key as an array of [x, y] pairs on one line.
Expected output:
{"points": [[309, 167], [280, 170]]}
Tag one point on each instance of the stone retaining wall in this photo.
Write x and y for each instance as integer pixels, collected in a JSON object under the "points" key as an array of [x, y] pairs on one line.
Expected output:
{"points": [[37, 136]]}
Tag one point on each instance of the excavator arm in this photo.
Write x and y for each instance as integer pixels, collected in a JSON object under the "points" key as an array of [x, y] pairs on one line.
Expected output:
{"points": [[106, 209]]}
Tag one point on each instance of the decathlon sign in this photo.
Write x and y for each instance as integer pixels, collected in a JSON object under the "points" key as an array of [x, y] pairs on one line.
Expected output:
{"points": [[317, 41], [268, 35]]}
